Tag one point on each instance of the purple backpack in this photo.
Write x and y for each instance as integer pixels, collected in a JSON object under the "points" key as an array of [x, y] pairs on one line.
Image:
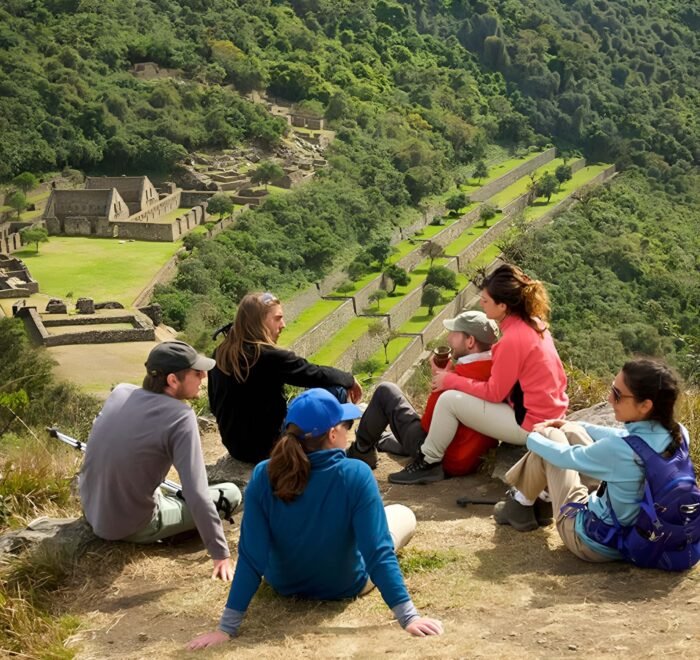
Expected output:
{"points": [[666, 534]]}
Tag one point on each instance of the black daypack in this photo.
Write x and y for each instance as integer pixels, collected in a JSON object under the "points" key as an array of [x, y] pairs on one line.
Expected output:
{"points": [[666, 534]]}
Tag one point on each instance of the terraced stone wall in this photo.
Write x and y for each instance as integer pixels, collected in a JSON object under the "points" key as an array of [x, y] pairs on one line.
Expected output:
{"points": [[361, 348], [313, 340], [490, 189]]}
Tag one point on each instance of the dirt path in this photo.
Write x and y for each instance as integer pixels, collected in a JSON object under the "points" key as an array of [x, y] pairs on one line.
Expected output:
{"points": [[500, 594]]}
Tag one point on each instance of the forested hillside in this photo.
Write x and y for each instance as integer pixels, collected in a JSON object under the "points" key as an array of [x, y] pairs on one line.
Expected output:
{"points": [[617, 79], [417, 92], [624, 274]]}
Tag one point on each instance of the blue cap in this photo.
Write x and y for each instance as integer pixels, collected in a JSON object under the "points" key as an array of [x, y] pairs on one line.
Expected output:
{"points": [[316, 411]]}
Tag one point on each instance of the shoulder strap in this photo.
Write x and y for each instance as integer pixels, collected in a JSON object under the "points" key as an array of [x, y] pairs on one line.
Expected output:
{"points": [[641, 448]]}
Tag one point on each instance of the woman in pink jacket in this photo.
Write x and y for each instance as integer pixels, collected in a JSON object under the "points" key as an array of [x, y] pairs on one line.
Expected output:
{"points": [[527, 383]]}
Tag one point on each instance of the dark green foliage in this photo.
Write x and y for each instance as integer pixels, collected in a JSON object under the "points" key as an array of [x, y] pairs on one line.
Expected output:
{"points": [[456, 202], [621, 269], [442, 277], [25, 181], [398, 276], [27, 369], [220, 204], [18, 201], [547, 186], [430, 297], [487, 213], [34, 235]]}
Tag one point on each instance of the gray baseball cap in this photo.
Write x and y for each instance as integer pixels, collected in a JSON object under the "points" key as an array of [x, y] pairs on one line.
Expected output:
{"points": [[172, 356], [476, 324]]}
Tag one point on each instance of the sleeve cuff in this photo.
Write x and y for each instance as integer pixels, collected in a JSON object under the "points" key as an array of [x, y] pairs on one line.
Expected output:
{"points": [[231, 621], [405, 613]]}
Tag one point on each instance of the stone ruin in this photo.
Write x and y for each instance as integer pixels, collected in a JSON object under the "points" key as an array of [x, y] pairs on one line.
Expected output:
{"points": [[128, 207], [15, 279]]}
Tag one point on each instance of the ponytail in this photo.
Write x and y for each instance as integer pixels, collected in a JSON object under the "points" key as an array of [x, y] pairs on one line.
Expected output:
{"points": [[289, 467], [523, 296]]}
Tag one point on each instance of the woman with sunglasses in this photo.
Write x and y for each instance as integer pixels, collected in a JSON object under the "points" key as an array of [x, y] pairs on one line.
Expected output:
{"points": [[643, 396], [527, 383], [314, 525], [246, 387]]}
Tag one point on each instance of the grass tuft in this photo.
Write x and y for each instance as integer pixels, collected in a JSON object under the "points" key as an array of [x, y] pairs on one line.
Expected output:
{"points": [[413, 560]]}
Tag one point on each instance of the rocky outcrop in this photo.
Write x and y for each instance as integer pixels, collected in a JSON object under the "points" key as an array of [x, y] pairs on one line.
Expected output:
{"points": [[62, 538]]}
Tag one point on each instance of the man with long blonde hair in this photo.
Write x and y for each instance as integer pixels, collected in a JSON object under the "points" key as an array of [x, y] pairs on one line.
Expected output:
{"points": [[246, 387]]}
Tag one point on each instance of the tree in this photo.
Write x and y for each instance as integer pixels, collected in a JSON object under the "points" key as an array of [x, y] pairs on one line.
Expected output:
{"points": [[456, 202], [563, 173], [547, 186], [34, 235], [265, 172], [18, 201], [369, 366], [220, 203], [398, 276], [487, 213], [432, 251], [385, 335], [377, 296], [25, 181], [480, 170], [380, 251], [430, 297], [442, 277]]}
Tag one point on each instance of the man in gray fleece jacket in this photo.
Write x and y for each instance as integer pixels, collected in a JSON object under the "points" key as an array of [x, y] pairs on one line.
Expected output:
{"points": [[138, 436]]}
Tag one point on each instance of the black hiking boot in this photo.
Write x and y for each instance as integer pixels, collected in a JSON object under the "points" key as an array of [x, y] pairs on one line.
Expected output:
{"points": [[511, 512], [543, 512], [418, 472], [370, 456]]}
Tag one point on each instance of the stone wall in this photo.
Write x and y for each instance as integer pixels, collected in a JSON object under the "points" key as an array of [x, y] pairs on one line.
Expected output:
{"points": [[449, 234], [88, 331], [158, 208], [490, 189], [361, 348], [166, 274], [195, 197], [399, 314], [10, 242], [481, 243], [145, 231], [314, 339], [407, 359]]}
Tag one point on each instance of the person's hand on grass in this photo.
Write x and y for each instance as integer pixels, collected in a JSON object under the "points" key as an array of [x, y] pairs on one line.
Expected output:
{"points": [[208, 639], [223, 569], [424, 626]]}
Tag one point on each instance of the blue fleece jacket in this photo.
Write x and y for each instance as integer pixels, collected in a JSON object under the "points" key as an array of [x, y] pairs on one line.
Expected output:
{"points": [[609, 459], [322, 545]]}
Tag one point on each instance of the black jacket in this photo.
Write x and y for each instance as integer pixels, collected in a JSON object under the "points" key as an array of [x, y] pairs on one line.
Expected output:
{"points": [[250, 414]]}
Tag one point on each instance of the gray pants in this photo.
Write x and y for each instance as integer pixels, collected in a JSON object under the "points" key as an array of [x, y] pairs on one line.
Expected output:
{"points": [[389, 406]]}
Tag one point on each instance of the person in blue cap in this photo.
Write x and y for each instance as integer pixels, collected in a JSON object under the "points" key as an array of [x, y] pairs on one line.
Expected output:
{"points": [[314, 524]]}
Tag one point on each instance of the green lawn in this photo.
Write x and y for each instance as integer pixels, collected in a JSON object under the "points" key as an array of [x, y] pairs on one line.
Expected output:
{"points": [[496, 171], [520, 186], [310, 317], [395, 348], [99, 268], [486, 257], [173, 215], [468, 236], [579, 179], [341, 340]]}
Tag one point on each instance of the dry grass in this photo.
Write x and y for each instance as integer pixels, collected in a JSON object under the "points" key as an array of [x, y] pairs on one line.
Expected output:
{"points": [[35, 480]]}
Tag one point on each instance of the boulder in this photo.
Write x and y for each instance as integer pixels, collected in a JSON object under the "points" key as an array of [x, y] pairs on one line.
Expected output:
{"points": [[56, 306], [229, 469], [85, 306], [153, 312], [67, 538], [109, 305]]}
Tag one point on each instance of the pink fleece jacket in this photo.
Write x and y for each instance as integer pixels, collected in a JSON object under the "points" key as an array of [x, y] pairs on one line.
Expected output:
{"points": [[521, 355]]}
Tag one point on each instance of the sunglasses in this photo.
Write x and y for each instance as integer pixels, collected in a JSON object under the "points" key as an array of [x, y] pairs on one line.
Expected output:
{"points": [[617, 395], [268, 298]]}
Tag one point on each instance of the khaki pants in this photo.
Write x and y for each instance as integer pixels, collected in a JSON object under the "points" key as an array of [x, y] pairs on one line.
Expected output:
{"points": [[496, 420], [172, 516], [532, 474], [402, 527]]}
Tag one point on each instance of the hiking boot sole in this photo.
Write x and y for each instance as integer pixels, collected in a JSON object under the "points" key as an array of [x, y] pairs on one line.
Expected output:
{"points": [[501, 517]]}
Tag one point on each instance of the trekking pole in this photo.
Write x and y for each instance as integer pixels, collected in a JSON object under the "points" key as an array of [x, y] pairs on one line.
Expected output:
{"points": [[167, 485]]}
